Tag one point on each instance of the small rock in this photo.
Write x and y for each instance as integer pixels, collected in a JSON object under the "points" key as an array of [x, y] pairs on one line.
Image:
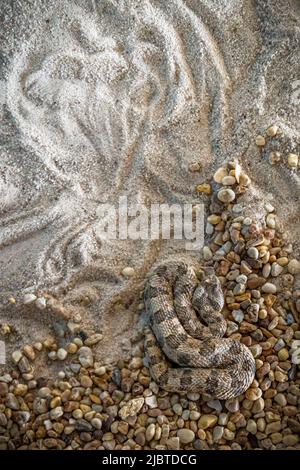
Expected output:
{"points": [[150, 432], [16, 356], [294, 267], [272, 131], [238, 315], [29, 299], [131, 408], [226, 195], [96, 423], [215, 405], [203, 188], [185, 435], [260, 141], [61, 354], [232, 405], [56, 412], [219, 175], [295, 356], [228, 180], [207, 421], [151, 401], [269, 288], [293, 160], [93, 339], [252, 252], [128, 271], [251, 426], [218, 432], [41, 303], [207, 253]]}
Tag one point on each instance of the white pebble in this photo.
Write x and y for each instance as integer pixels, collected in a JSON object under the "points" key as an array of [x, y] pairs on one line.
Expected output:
{"points": [[61, 354], [296, 356], [228, 180], [16, 356], [269, 288], [272, 130], [207, 253], [253, 252], [226, 195], [219, 175], [294, 267], [238, 315], [128, 272], [41, 303], [29, 299], [271, 221]]}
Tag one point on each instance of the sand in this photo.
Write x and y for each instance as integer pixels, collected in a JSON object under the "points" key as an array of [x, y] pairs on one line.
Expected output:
{"points": [[102, 99]]}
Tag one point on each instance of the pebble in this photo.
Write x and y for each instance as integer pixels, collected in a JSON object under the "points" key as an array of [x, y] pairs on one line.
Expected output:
{"points": [[29, 299], [218, 432], [253, 252], [151, 401], [85, 356], [237, 315], [292, 160], [150, 432], [61, 354], [131, 408], [251, 426], [215, 405], [274, 158], [128, 271], [207, 253], [17, 356], [260, 141], [276, 270], [41, 303], [226, 195], [220, 174], [232, 405], [271, 221], [253, 394], [228, 180], [294, 267], [186, 436], [296, 356], [203, 188], [269, 288], [207, 421], [93, 339], [272, 130]]}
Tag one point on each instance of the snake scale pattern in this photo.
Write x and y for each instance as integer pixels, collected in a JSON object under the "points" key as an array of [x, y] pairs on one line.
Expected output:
{"points": [[184, 342]]}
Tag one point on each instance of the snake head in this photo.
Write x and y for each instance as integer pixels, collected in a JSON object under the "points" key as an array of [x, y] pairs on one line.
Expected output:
{"points": [[209, 293]]}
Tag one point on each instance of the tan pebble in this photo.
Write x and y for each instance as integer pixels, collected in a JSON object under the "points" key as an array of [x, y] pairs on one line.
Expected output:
{"points": [[86, 381], [274, 157], [253, 394], [283, 354], [219, 175], [260, 141], [293, 160], [185, 435], [214, 219], [207, 421], [294, 267], [272, 130], [228, 180], [16, 356], [203, 188], [269, 288], [194, 167], [290, 439], [271, 221], [56, 401], [207, 253], [280, 376], [226, 195], [128, 272], [72, 348], [245, 180]]}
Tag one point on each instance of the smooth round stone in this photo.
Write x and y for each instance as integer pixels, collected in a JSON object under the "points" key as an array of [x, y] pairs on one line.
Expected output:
{"points": [[269, 288], [226, 195], [253, 394], [16, 356], [193, 396], [266, 271], [294, 267], [151, 401], [128, 271], [207, 253], [220, 174], [215, 405], [239, 289], [228, 180], [56, 412], [283, 354], [242, 279], [61, 354], [253, 252], [223, 419], [251, 426], [177, 408], [194, 415], [260, 141], [207, 421], [271, 221], [86, 381], [258, 406], [237, 315], [276, 270], [29, 299], [186, 436], [237, 209], [218, 433], [150, 432], [272, 130], [232, 405], [293, 160], [214, 219], [96, 423], [280, 399], [41, 303], [296, 356]]}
